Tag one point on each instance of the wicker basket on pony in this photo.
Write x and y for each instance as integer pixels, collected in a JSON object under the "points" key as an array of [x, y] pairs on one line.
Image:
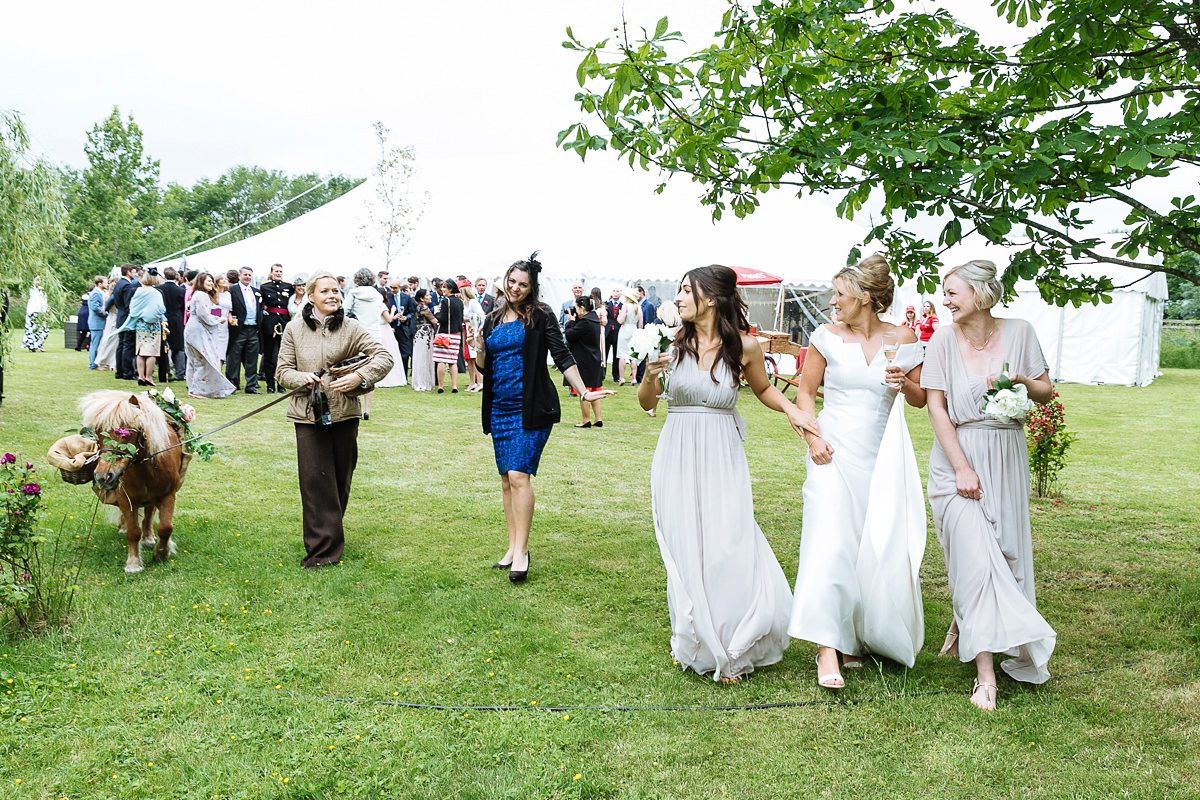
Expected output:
{"points": [[75, 457]]}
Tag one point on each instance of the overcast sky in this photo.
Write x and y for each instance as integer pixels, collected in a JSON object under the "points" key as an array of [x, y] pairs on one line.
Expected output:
{"points": [[480, 89]]}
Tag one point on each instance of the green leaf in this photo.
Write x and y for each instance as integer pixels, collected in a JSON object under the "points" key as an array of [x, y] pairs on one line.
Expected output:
{"points": [[660, 28]]}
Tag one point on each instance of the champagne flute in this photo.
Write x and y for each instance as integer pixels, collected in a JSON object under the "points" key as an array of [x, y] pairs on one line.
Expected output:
{"points": [[666, 375], [891, 346]]}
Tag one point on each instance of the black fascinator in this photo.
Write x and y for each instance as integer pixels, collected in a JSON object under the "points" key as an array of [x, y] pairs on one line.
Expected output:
{"points": [[535, 266]]}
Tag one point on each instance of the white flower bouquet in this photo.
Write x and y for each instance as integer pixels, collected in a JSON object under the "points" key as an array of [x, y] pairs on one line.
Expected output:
{"points": [[649, 341], [1005, 401]]}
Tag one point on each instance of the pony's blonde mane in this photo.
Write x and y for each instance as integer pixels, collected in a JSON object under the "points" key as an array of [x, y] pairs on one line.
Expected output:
{"points": [[111, 408]]}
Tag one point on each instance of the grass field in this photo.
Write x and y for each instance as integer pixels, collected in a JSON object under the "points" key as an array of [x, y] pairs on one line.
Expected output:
{"points": [[229, 672]]}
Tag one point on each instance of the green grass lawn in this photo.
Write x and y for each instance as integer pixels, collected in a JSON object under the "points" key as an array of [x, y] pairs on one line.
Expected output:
{"points": [[229, 672]]}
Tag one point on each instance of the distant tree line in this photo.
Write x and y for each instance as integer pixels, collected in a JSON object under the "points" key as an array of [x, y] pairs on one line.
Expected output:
{"points": [[117, 211]]}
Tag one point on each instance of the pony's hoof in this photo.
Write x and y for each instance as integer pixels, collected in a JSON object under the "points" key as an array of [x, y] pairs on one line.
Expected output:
{"points": [[148, 544], [133, 569]]}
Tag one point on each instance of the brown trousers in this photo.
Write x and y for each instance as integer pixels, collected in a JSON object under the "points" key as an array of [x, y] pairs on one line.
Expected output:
{"points": [[325, 458]]}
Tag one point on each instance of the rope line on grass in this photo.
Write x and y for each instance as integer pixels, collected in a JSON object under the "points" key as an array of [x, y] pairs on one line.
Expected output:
{"points": [[747, 707], [625, 708]]}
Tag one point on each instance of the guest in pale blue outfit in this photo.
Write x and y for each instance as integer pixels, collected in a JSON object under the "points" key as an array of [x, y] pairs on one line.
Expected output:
{"points": [[147, 313], [97, 316], [520, 401]]}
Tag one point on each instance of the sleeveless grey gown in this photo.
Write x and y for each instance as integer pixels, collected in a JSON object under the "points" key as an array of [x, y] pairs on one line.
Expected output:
{"points": [[728, 599]]}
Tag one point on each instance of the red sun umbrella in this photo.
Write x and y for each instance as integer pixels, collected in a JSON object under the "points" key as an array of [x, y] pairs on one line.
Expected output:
{"points": [[747, 276]]}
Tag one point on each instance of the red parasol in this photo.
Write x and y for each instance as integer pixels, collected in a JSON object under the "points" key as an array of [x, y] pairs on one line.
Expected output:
{"points": [[747, 276]]}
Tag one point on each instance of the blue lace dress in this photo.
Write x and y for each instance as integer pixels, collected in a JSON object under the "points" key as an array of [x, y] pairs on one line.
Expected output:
{"points": [[517, 449]]}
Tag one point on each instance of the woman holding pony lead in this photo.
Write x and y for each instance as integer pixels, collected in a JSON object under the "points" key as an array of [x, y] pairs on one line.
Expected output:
{"points": [[520, 401], [979, 482], [727, 596], [326, 452]]}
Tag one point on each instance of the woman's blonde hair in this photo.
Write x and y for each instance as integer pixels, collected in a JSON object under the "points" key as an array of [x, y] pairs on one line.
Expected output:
{"points": [[980, 275], [311, 289], [870, 279], [669, 314]]}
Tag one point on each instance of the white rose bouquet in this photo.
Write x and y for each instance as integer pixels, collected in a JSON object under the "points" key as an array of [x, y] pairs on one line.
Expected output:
{"points": [[1005, 401], [649, 341]]}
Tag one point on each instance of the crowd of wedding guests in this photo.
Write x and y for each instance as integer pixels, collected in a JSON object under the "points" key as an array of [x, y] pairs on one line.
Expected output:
{"points": [[857, 593], [220, 333]]}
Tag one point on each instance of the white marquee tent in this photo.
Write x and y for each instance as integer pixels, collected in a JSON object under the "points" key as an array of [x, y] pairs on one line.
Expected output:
{"points": [[651, 239], [1115, 343], [654, 239]]}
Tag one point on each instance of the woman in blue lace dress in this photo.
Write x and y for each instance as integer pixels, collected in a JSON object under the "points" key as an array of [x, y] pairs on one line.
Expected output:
{"points": [[520, 401]]}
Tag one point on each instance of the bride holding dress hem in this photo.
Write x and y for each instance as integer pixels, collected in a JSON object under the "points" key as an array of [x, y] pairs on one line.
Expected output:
{"points": [[857, 589]]}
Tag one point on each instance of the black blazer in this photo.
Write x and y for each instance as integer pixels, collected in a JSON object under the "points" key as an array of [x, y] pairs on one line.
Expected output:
{"points": [[488, 303], [539, 401], [583, 337], [614, 308], [172, 294], [403, 302], [121, 295], [239, 305], [450, 314]]}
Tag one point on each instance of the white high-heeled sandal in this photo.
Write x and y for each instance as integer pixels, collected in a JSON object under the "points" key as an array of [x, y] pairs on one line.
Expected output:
{"points": [[830, 680]]}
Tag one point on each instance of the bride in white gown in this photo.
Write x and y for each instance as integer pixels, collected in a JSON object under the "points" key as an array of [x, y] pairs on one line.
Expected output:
{"points": [[727, 596], [857, 590]]}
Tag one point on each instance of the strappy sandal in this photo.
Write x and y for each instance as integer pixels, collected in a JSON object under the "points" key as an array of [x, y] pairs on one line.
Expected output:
{"points": [[950, 646], [979, 685], [831, 680]]}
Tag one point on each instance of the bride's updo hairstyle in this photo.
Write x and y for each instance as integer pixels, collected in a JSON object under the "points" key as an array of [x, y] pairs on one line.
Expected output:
{"points": [[870, 280], [718, 284], [980, 275]]}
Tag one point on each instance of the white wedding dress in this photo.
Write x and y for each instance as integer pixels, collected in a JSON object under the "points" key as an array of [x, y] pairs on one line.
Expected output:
{"points": [[396, 376], [857, 588], [726, 593]]}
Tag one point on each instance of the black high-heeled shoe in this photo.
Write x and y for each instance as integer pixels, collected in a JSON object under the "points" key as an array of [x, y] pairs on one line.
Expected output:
{"points": [[519, 576]]}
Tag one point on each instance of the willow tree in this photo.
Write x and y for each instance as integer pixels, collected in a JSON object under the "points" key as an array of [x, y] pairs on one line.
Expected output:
{"points": [[32, 219], [904, 110]]}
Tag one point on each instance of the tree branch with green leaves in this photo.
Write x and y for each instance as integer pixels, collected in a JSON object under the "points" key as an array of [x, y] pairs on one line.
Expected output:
{"points": [[909, 113]]}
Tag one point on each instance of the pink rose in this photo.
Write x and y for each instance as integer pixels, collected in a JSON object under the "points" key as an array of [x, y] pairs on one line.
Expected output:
{"points": [[189, 413]]}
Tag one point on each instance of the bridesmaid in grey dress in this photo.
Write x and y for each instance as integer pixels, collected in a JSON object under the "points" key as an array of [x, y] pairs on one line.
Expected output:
{"points": [[727, 596], [979, 483]]}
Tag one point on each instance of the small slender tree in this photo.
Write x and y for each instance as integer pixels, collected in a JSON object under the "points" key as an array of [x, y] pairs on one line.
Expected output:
{"points": [[397, 206]]}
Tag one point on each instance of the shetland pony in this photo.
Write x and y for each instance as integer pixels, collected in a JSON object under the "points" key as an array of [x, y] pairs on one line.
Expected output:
{"points": [[145, 482]]}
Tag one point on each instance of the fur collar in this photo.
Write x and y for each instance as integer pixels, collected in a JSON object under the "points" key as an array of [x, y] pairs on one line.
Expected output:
{"points": [[333, 321]]}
